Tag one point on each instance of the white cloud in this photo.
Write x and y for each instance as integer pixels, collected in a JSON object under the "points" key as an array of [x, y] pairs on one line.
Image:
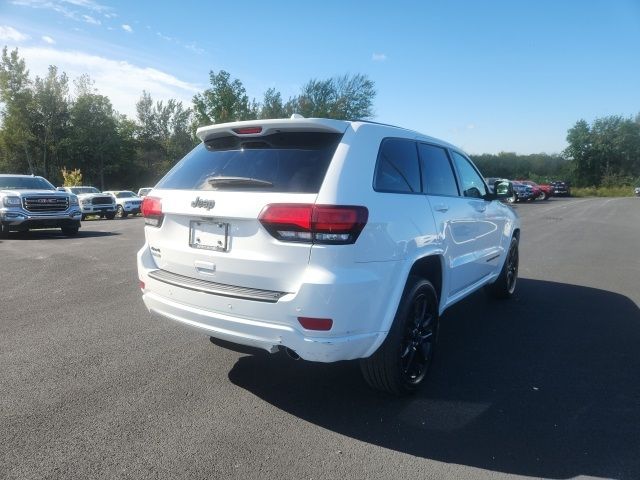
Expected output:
{"points": [[127, 28], [378, 57], [11, 34], [471, 126], [48, 39], [91, 20], [69, 8], [121, 81]]}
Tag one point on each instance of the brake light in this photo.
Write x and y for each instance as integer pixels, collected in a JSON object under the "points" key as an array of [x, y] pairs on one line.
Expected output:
{"points": [[152, 211], [248, 130], [327, 224]]}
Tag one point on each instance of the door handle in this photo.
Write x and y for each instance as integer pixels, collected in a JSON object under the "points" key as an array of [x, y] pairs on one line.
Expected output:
{"points": [[441, 207]]}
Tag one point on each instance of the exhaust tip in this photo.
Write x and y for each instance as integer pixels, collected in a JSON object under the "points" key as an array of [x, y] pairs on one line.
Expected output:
{"points": [[291, 353]]}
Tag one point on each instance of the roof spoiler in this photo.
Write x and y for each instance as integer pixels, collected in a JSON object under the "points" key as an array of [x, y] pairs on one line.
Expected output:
{"points": [[259, 128]]}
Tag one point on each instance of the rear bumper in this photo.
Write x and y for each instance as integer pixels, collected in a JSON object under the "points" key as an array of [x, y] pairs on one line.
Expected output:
{"points": [[351, 303], [261, 334]]}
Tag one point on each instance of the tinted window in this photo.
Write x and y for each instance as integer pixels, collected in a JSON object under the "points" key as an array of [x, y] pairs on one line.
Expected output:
{"points": [[26, 183], [397, 169], [437, 174], [281, 162], [472, 183], [83, 190]]}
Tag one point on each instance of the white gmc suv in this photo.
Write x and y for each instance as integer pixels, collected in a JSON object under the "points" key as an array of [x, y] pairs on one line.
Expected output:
{"points": [[331, 240]]}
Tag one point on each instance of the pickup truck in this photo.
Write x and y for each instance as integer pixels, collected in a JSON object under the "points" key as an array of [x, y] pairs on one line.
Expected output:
{"points": [[94, 202], [29, 202]]}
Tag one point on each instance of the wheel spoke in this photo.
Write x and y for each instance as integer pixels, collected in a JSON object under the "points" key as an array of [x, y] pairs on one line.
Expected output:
{"points": [[410, 359]]}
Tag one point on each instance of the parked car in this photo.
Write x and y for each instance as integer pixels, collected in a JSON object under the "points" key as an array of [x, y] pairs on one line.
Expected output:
{"points": [[127, 202], [561, 189], [637, 191], [284, 235], [28, 202], [540, 191], [142, 192], [523, 192], [505, 184], [93, 202]]}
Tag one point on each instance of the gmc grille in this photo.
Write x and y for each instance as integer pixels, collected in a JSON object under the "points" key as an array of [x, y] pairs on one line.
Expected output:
{"points": [[45, 204]]}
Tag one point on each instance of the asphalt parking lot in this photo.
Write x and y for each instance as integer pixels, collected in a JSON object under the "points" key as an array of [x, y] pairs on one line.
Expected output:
{"points": [[545, 385]]}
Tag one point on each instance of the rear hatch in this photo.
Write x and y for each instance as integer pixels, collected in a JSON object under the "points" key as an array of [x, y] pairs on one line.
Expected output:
{"points": [[208, 207]]}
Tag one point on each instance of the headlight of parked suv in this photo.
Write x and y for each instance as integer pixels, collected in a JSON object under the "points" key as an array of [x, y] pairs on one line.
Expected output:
{"points": [[11, 201], [73, 200]]}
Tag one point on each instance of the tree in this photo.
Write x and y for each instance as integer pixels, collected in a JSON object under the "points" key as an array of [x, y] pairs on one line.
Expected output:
{"points": [[16, 136], [343, 98], [71, 178], [272, 106], [94, 141], [607, 152], [164, 133], [225, 101], [51, 116]]}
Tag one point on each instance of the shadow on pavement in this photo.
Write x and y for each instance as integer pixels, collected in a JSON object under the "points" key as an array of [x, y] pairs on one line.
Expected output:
{"points": [[544, 385]]}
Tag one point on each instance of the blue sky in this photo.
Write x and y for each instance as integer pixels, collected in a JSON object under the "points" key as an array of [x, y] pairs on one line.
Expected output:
{"points": [[488, 76]]}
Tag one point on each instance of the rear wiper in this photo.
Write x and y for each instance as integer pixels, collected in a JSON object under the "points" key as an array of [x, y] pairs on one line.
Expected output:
{"points": [[238, 182]]}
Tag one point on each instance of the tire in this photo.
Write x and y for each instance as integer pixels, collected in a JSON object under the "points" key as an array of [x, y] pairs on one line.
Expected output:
{"points": [[70, 231], [83, 217], [121, 213], [110, 216], [543, 195], [505, 285], [401, 363], [512, 199]]}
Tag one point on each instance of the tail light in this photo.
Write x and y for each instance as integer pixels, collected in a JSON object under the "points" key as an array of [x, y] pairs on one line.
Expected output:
{"points": [[307, 223], [152, 211]]}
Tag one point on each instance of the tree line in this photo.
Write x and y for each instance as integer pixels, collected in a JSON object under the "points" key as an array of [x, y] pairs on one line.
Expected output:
{"points": [[49, 124]]}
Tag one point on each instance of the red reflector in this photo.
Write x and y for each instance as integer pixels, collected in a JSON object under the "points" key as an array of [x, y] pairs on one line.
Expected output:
{"points": [[151, 207], [141, 284], [247, 130], [315, 323]]}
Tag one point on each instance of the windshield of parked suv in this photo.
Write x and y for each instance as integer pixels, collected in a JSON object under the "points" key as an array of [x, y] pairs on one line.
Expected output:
{"points": [[25, 183], [125, 195], [81, 190], [281, 162]]}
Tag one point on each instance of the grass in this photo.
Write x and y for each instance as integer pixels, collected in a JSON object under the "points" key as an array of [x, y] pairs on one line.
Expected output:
{"points": [[621, 191]]}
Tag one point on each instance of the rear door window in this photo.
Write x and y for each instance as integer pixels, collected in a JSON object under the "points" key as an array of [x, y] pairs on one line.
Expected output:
{"points": [[282, 162], [397, 169], [437, 174]]}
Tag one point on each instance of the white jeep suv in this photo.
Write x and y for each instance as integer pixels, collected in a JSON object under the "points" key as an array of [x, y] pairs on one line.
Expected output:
{"points": [[331, 240]]}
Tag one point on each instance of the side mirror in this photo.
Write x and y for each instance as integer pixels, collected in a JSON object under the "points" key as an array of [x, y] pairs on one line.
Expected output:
{"points": [[61, 189], [503, 189]]}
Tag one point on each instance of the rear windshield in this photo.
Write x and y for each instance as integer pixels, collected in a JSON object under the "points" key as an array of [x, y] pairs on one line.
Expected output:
{"points": [[281, 162], [25, 183]]}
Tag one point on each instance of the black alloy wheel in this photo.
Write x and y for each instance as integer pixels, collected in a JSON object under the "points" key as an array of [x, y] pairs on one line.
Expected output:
{"points": [[512, 268], [419, 339], [401, 363]]}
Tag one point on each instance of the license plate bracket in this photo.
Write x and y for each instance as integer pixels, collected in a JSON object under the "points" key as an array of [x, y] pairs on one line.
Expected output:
{"points": [[209, 235]]}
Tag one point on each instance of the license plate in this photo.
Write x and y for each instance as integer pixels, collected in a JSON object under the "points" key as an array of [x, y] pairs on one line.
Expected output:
{"points": [[209, 235]]}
